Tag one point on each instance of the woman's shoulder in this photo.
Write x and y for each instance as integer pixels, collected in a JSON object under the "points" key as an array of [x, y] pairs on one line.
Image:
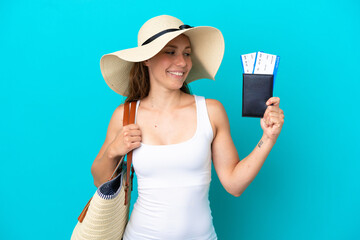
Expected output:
{"points": [[214, 105], [116, 120], [118, 113], [119, 110], [216, 112]]}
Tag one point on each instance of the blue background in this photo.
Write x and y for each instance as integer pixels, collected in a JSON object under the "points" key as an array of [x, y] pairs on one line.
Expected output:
{"points": [[55, 109]]}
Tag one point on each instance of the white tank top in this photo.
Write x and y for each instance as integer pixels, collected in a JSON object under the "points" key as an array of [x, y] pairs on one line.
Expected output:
{"points": [[173, 187]]}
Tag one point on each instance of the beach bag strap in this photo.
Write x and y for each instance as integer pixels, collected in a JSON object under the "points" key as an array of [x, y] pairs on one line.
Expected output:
{"points": [[129, 155], [128, 118]]}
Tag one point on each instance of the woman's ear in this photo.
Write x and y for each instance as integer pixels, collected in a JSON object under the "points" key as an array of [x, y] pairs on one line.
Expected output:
{"points": [[146, 63]]}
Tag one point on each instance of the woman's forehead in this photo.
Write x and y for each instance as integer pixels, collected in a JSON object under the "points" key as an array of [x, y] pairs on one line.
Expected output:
{"points": [[181, 40]]}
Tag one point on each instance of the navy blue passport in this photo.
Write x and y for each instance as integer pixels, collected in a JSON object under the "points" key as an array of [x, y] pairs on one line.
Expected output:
{"points": [[257, 89]]}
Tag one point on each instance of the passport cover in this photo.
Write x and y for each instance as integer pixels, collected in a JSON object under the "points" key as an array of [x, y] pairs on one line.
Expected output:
{"points": [[257, 89]]}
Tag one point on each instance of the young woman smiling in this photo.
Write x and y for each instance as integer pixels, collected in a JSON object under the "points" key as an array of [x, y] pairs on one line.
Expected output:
{"points": [[177, 135]]}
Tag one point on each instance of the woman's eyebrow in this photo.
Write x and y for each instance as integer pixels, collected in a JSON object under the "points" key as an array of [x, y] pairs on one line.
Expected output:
{"points": [[173, 46]]}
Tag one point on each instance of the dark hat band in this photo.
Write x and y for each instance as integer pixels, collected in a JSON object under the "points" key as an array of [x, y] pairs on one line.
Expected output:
{"points": [[149, 40]]}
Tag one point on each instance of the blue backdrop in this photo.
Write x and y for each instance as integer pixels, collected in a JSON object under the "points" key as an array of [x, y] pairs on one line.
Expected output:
{"points": [[55, 109]]}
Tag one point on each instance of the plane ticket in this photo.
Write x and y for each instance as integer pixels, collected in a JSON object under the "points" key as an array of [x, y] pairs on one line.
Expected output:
{"points": [[260, 63]]}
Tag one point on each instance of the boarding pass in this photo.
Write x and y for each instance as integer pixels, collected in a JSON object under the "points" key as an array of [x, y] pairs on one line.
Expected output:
{"points": [[260, 63]]}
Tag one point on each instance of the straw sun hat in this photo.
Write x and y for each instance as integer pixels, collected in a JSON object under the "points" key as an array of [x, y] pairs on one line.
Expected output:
{"points": [[207, 45]]}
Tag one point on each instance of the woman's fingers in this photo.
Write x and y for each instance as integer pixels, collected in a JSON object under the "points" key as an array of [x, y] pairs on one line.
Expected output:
{"points": [[275, 101], [275, 121], [131, 133], [128, 138], [273, 115], [131, 127], [131, 130], [132, 139]]}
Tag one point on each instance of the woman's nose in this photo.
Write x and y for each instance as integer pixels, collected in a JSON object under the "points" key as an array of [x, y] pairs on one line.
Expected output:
{"points": [[180, 60]]}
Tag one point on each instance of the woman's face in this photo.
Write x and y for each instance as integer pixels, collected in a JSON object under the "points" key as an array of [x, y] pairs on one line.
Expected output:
{"points": [[170, 67]]}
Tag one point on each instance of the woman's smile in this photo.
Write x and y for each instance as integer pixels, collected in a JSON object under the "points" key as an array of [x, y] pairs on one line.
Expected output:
{"points": [[176, 74]]}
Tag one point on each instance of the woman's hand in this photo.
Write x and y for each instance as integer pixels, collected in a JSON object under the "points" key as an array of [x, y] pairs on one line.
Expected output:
{"points": [[273, 119], [127, 139]]}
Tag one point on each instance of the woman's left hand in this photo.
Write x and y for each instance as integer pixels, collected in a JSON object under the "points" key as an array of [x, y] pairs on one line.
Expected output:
{"points": [[273, 119]]}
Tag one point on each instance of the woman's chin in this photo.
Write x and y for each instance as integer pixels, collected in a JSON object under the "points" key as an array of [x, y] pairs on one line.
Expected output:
{"points": [[177, 83]]}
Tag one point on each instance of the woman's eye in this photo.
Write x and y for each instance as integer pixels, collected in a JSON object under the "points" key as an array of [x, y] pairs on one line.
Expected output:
{"points": [[170, 52], [187, 54]]}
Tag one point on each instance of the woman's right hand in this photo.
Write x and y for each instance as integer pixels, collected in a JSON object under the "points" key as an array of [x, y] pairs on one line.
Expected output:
{"points": [[119, 141], [127, 139]]}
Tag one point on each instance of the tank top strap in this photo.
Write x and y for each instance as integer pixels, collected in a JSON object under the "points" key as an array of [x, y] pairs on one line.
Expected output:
{"points": [[203, 119], [137, 107]]}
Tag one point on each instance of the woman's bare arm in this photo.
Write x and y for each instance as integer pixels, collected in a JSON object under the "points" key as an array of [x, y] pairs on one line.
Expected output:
{"points": [[119, 141], [236, 175]]}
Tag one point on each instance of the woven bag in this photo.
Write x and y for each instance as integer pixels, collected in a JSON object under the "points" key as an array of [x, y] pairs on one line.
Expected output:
{"points": [[106, 214]]}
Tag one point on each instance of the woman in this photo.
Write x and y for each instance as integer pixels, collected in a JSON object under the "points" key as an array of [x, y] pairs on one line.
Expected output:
{"points": [[176, 134]]}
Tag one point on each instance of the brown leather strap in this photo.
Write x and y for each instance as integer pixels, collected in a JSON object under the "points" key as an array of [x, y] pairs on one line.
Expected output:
{"points": [[84, 211], [126, 114], [126, 120], [129, 155]]}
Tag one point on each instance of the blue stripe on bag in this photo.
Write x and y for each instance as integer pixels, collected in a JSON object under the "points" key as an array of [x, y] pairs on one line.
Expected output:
{"points": [[111, 189]]}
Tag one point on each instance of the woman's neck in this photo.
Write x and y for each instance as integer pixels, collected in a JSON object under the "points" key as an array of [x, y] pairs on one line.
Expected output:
{"points": [[163, 101]]}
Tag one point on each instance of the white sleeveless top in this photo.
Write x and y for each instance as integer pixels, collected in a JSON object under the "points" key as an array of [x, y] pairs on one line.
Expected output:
{"points": [[173, 187]]}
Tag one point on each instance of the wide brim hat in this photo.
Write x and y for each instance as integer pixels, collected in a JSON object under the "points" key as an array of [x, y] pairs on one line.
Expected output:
{"points": [[207, 51]]}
